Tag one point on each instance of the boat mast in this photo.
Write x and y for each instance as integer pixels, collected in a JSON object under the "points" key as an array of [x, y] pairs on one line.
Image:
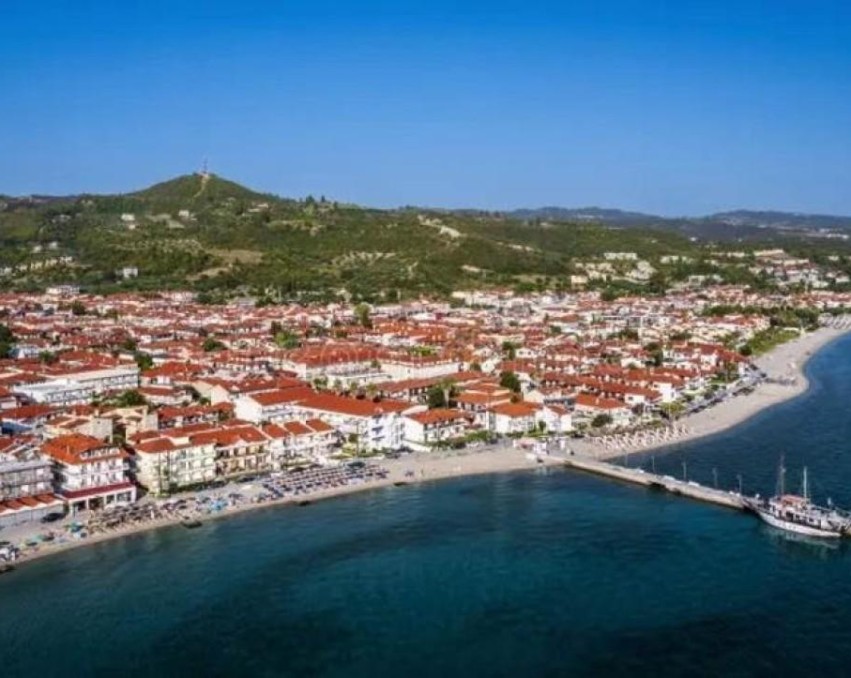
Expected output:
{"points": [[781, 478], [805, 489]]}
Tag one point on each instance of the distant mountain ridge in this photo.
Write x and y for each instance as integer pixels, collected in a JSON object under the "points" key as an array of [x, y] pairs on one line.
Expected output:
{"points": [[609, 215], [734, 224], [209, 188]]}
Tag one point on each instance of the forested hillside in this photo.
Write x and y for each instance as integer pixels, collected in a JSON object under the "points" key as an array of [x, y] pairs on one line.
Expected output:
{"points": [[214, 235]]}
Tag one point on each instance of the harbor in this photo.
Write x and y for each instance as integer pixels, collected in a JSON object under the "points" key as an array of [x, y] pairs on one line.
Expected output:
{"points": [[667, 483], [789, 512]]}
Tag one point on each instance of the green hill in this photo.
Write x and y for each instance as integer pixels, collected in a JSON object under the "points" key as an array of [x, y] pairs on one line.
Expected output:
{"points": [[192, 189], [217, 236]]}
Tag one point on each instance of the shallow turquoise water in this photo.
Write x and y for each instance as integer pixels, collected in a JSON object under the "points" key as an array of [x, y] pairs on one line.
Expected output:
{"points": [[540, 573]]}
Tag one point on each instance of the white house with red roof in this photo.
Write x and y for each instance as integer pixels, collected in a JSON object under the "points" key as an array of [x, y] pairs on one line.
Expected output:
{"points": [[294, 442], [271, 406], [369, 424], [587, 407], [556, 418], [241, 449], [426, 429], [478, 398], [171, 460], [89, 473], [513, 418], [7, 399], [26, 482], [419, 367]]}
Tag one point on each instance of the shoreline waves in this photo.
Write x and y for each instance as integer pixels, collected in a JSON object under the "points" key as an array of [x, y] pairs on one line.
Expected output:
{"points": [[785, 363]]}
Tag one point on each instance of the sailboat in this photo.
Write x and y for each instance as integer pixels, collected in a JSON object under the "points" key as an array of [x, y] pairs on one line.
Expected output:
{"points": [[797, 513]]}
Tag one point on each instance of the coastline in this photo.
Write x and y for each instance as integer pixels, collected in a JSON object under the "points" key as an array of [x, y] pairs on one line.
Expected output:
{"points": [[786, 362], [424, 469]]}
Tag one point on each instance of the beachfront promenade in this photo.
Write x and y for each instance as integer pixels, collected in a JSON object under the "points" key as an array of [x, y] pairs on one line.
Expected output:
{"points": [[33, 540]]}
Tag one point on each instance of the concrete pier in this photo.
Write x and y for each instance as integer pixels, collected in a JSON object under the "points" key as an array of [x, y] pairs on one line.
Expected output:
{"points": [[638, 476]]}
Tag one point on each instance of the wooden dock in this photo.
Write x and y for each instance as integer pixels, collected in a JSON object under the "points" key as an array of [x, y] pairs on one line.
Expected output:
{"points": [[638, 476]]}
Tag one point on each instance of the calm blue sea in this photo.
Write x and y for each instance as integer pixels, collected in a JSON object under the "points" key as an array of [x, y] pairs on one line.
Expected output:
{"points": [[539, 573]]}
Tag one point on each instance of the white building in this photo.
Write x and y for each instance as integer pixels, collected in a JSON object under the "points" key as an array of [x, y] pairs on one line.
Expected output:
{"points": [[166, 462], [367, 424], [429, 428], [26, 482], [59, 392], [108, 380], [78, 388], [89, 473], [419, 368], [311, 440], [268, 406]]}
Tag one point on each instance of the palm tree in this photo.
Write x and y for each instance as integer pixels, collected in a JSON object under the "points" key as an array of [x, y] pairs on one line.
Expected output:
{"points": [[447, 385]]}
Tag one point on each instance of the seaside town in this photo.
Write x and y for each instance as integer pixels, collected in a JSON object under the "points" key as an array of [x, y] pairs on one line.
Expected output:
{"points": [[133, 409]]}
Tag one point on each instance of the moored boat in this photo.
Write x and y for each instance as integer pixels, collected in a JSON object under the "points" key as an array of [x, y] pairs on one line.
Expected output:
{"points": [[798, 514]]}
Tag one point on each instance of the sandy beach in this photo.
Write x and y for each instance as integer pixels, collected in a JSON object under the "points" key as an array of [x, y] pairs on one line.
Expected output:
{"points": [[407, 471], [784, 367], [786, 380]]}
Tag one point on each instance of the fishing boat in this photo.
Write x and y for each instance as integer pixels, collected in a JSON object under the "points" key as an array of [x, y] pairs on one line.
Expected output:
{"points": [[797, 513]]}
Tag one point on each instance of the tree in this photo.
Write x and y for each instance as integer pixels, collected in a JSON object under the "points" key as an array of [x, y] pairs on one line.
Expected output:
{"points": [[609, 294], [7, 341], [131, 398], [475, 367], [362, 314], [509, 350], [436, 397], [287, 340], [129, 344], [447, 385], [6, 334], [673, 410], [510, 381], [601, 420], [78, 308], [212, 344], [658, 283], [48, 357], [144, 361]]}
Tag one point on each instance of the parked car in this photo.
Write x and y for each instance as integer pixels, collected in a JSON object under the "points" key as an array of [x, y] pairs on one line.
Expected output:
{"points": [[52, 517]]}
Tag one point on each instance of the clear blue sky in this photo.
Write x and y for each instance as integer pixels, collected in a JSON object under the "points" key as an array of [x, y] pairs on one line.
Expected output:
{"points": [[673, 107]]}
